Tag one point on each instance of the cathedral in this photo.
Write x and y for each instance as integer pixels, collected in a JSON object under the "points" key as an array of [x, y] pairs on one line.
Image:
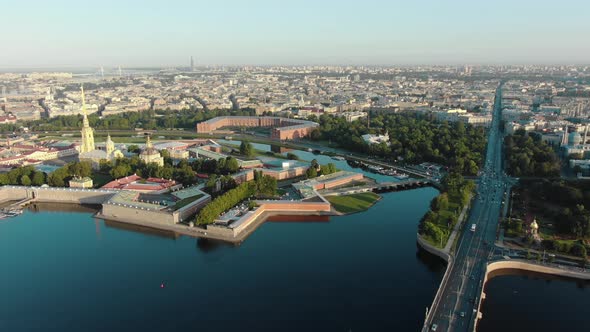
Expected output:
{"points": [[150, 154], [88, 151], [87, 132]]}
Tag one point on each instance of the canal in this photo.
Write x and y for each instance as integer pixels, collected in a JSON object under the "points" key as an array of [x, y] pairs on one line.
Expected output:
{"points": [[64, 270]]}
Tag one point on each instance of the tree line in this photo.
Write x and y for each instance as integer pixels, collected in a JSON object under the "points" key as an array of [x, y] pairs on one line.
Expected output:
{"points": [[527, 155], [413, 138], [29, 176], [444, 211], [149, 119], [262, 186]]}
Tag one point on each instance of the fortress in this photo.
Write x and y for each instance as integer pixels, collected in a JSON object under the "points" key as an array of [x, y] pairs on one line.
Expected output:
{"points": [[282, 128]]}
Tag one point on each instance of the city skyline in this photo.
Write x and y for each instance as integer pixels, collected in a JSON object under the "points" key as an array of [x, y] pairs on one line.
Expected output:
{"points": [[64, 34]]}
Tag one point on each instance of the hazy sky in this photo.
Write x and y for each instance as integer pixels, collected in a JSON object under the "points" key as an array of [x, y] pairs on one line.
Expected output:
{"points": [[389, 32]]}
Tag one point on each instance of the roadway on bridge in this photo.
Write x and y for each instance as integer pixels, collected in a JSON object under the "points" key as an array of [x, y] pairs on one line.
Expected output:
{"points": [[457, 308]]}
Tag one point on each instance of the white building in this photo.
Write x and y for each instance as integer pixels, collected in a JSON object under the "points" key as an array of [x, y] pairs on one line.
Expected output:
{"points": [[376, 139]]}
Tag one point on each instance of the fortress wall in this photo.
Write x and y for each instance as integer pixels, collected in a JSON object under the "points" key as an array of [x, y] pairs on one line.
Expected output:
{"points": [[296, 206], [286, 173], [220, 232], [148, 218], [70, 195], [266, 209], [12, 193], [190, 210], [56, 195]]}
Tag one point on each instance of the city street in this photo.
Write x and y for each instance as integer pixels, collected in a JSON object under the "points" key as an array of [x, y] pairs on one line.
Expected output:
{"points": [[457, 309]]}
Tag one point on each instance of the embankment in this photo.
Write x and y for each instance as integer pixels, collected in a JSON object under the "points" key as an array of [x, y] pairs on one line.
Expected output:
{"points": [[449, 259]]}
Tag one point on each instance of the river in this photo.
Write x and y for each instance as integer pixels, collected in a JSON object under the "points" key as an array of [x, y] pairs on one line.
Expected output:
{"points": [[63, 270], [526, 301]]}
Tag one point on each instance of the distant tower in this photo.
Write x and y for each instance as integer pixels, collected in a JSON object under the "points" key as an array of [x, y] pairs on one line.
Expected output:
{"points": [[109, 145], [87, 132], [49, 95], [4, 93], [102, 72], [120, 72], [192, 64]]}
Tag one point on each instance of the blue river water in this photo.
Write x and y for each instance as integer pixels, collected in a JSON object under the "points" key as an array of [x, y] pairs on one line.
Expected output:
{"points": [[63, 270], [526, 301]]}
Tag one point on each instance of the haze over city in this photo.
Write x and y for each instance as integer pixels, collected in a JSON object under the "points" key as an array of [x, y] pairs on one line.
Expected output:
{"points": [[57, 34]]}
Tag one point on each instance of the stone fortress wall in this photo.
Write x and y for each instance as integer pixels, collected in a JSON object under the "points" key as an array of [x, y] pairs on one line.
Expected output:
{"points": [[55, 195], [148, 217], [248, 222], [283, 128]]}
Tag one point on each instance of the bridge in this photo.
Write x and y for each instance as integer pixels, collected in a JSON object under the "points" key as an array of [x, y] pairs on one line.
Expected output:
{"points": [[381, 187], [456, 304]]}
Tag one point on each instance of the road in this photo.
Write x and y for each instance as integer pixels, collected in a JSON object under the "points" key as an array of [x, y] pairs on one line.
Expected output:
{"points": [[457, 308]]}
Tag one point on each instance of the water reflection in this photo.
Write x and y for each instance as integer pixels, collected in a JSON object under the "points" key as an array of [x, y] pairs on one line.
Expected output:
{"points": [[61, 207], [298, 218], [279, 149], [432, 262], [210, 245], [141, 229]]}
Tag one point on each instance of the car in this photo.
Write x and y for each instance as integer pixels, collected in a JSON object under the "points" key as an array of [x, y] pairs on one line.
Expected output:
{"points": [[462, 314], [433, 327]]}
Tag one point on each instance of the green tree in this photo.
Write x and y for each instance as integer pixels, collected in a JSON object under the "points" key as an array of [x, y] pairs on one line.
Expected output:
{"points": [[246, 149], [311, 173], [25, 180], [231, 165], [315, 164], [38, 179]]}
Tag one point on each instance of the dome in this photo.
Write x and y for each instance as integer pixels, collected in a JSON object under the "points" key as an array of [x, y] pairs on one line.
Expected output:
{"points": [[574, 139]]}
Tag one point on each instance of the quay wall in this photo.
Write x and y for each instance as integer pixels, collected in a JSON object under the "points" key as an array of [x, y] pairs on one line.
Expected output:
{"points": [[56, 195], [443, 284], [153, 218], [266, 209], [515, 264]]}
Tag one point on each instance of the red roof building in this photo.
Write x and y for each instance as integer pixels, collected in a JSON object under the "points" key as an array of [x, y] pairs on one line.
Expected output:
{"points": [[137, 183]]}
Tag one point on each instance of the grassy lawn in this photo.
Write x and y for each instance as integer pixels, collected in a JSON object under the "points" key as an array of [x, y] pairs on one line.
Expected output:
{"points": [[353, 203], [184, 202], [100, 179]]}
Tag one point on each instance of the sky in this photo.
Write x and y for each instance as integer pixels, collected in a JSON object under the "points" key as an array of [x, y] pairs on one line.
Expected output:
{"points": [[63, 33]]}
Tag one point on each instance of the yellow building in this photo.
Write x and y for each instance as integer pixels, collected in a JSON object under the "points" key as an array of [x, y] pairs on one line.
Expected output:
{"points": [[84, 183], [150, 154], [110, 153]]}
